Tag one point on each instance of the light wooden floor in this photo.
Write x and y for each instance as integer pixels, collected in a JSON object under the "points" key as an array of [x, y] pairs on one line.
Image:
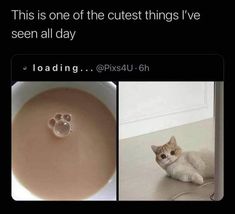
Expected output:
{"points": [[140, 178]]}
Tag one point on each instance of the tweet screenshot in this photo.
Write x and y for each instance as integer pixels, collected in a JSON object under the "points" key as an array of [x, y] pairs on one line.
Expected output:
{"points": [[114, 105]]}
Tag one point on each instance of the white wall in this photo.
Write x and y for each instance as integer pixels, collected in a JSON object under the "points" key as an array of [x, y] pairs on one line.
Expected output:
{"points": [[146, 107]]}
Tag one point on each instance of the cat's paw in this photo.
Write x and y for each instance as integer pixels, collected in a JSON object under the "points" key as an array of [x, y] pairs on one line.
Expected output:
{"points": [[197, 179], [61, 124], [184, 178]]}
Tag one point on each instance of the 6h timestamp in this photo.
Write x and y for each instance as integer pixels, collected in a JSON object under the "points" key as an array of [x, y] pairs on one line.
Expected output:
{"points": [[122, 68]]}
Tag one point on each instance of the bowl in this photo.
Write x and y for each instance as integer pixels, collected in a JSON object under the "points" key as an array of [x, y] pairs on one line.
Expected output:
{"points": [[23, 91]]}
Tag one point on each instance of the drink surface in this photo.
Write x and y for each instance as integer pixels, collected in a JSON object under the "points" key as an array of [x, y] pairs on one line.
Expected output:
{"points": [[71, 166]]}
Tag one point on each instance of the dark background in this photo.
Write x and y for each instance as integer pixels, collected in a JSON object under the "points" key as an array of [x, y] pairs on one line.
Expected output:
{"points": [[203, 36], [211, 35], [13, 82], [174, 67]]}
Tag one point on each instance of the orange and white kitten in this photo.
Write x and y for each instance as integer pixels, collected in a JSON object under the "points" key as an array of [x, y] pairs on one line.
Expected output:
{"points": [[184, 166]]}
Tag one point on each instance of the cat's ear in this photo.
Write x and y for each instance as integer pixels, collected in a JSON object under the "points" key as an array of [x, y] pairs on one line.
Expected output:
{"points": [[154, 148], [173, 141]]}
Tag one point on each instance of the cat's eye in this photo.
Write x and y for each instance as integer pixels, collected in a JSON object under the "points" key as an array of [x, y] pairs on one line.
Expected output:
{"points": [[172, 152], [163, 156]]}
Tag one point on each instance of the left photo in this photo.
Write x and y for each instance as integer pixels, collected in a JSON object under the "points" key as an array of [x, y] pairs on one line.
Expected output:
{"points": [[64, 141]]}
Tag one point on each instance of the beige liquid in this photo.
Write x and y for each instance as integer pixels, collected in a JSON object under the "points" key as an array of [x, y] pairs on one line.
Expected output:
{"points": [[64, 168]]}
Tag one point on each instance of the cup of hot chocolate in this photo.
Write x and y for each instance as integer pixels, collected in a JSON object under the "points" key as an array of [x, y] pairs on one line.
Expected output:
{"points": [[64, 141]]}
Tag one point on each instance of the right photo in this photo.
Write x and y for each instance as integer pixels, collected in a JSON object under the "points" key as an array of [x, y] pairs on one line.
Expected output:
{"points": [[170, 141]]}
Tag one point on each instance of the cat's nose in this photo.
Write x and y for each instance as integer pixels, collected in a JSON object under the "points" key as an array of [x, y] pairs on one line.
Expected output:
{"points": [[163, 156]]}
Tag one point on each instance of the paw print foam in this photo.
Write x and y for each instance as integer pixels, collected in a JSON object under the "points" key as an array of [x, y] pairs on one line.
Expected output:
{"points": [[61, 124]]}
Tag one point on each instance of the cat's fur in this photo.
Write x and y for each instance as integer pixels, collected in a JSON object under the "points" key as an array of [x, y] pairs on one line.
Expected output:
{"points": [[184, 166]]}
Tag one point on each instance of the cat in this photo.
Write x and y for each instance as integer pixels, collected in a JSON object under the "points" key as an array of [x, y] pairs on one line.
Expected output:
{"points": [[184, 166]]}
